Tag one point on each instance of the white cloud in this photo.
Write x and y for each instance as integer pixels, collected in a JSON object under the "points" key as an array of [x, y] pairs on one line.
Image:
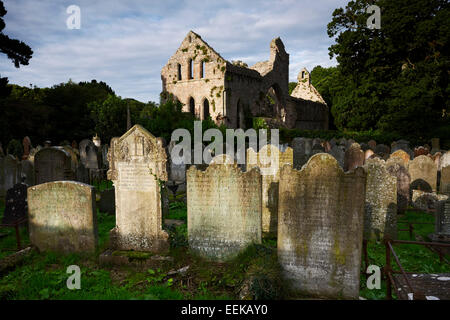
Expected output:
{"points": [[126, 43]]}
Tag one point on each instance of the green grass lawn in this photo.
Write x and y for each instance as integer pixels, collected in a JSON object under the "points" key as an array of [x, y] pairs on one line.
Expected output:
{"points": [[43, 276]]}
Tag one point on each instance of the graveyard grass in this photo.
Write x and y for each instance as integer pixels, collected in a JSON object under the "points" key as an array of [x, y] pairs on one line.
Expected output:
{"points": [[253, 274]]}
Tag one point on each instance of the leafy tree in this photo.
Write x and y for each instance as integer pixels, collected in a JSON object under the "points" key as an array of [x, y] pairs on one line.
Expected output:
{"points": [[395, 78], [16, 50], [292, 86], [110, 117]]}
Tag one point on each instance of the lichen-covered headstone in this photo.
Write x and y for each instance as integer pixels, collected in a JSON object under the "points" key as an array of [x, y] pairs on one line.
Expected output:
{"points": [[426, 200], [445, 180], [354, 157], [224, 210], [52, 164], [380, 220], [444, 160], [402, 145], [403, 182], [137, 167], [423, 172], [400, 156], [62, 217], [270, 178], [320, 227]]}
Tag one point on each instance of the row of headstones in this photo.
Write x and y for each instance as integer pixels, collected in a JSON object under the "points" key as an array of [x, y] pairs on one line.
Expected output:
{"points": [[322, 211]]}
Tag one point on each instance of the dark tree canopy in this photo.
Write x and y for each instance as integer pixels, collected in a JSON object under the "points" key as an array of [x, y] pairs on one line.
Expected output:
{"points": [[16, 50], [396, 78]]}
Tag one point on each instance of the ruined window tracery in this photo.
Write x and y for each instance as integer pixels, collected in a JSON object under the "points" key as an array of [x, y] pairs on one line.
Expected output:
{"points": [[191, 69]]}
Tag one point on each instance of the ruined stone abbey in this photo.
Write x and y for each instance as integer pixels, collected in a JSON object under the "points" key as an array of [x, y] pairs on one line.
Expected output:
{"points": [[233, 93]]}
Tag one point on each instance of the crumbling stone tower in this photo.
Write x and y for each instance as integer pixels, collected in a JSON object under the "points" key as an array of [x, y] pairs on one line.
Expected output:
{"points": [[233, 93]]}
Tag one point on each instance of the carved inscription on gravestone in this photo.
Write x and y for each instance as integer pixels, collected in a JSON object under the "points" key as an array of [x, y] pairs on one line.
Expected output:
{"points": [[224, 210], [320, 227], [137, 168], [380, 219], [62, 216]]}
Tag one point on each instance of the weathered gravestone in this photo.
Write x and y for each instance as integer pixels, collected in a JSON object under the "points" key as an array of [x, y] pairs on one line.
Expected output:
{"points": [[27, 172], [270, 176], [89, 154], [338, 152], [11, 172], [382, 150], [62, 217], [354, 157], [442, 223], [52, 164], [73, 157], [302, 148], [420, 151], [444, 160], [445, 180], [401, 157], [426, 200], [16, 204], [224, 210], [137, 167], [368, 154], [177, 172], [423, 172], [403, 182], [320, 227], [380, 220], [402, 145]]}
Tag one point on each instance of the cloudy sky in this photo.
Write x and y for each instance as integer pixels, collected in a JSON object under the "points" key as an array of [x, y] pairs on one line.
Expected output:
{"points": [[126, 43]]}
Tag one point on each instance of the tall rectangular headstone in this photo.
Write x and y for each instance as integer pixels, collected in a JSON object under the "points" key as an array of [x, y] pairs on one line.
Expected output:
{"points": [[320, 227], [11, 167], [270, 179], [224, 210], [137, 167], [444, 186], [380, 221], [62, 217]]}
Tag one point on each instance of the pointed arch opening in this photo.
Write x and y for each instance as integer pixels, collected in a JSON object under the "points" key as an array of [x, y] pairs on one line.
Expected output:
{"points": [[179, 72], [206, 113], [202, 70], [192, 105], [191, 69]]}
